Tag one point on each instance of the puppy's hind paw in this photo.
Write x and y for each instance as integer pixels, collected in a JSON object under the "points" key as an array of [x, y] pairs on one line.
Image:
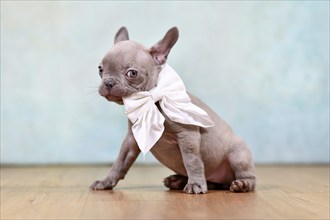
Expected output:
{"points": [[175, 182], [193, 188], [240, 186]]}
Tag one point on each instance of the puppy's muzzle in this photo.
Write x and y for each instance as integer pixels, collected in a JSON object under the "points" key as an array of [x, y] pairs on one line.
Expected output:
{"points": [[109, 83], [107, 86]]}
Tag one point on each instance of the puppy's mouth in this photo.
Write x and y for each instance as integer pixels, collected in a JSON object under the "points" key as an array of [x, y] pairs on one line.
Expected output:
{"points": [[111, 95], [115, 99]]}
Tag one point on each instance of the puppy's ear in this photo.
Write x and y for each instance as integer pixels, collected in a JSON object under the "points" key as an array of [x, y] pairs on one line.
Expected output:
{"points": [[122, 34], [160, 50]]}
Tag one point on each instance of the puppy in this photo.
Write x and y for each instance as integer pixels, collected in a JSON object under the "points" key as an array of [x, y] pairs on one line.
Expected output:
{"points": [[202, 157]]}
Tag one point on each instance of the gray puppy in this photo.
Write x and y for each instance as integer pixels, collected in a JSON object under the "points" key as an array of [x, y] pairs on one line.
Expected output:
{"points": [[202, 158]]}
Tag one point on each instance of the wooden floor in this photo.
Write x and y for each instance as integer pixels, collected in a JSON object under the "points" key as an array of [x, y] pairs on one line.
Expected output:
{"points": [[283, 192]]}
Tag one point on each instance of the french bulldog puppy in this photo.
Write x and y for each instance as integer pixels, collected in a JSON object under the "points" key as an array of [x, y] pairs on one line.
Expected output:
{"points": [[202, 158]]}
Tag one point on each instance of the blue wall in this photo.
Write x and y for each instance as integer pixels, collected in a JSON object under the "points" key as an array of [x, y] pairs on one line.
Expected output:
{"points": [[263, 66]]}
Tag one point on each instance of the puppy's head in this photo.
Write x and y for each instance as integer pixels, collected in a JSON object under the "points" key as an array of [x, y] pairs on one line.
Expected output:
{"points": [[130, 67]]}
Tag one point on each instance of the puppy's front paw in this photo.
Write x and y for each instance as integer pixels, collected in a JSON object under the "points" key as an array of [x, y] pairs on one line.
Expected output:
{"points": [[194, 188], [105, 184]]}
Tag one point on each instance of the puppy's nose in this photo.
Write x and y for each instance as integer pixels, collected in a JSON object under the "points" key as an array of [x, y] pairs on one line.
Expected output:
{"points": [[109, 84]]}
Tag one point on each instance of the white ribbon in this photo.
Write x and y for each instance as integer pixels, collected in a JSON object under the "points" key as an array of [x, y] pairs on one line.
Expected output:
{"points": [[147, 120]]}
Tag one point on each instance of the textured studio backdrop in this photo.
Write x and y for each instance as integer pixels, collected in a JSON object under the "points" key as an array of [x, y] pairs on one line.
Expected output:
{"points": [[262, 65]]}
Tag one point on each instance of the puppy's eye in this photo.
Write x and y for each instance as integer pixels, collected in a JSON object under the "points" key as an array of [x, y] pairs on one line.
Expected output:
{"points": [[132, 73], [100, 71]]}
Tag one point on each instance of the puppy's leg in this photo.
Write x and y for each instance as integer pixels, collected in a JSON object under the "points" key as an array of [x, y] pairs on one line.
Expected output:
{"points": [[178, 182], [189, 143], [242, 165], [128, 153]]}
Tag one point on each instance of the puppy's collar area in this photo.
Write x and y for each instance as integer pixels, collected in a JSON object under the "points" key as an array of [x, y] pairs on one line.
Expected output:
{"points": [[148, 121]]}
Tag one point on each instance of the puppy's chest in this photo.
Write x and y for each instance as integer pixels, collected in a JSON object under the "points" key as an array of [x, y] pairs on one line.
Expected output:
{"points": [[170, 126], [169, 133]]}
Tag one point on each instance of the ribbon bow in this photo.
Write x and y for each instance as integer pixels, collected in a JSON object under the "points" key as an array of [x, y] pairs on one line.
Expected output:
{"points": [[148, 121]]}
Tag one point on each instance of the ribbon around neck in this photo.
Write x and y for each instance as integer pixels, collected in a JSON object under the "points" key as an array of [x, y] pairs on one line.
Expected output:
{"points": [[148, 121]]}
